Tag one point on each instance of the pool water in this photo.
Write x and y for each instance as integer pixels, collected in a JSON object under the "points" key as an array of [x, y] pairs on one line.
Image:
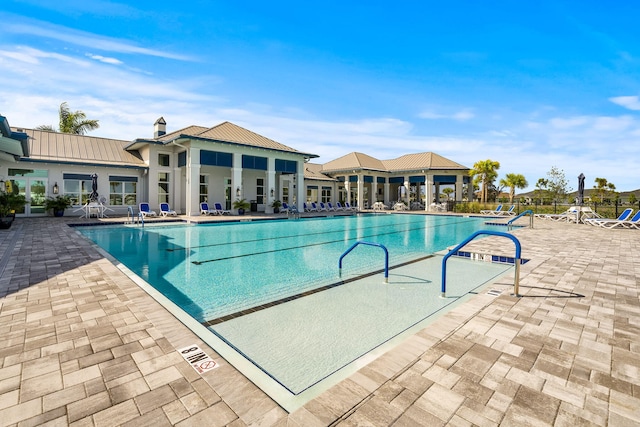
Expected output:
{"points": [[218, 269], [268, 295]]}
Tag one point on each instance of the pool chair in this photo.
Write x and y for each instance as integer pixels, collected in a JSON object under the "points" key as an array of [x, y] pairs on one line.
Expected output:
{"points": [[339, 206], [218, 208], [204, 209], [145, 210], [309, 207], [323, 207], [348, 206], [508, 212], [166, 210], [330, 207], [633, 222], [314, 207], [285, 208], [570, 215], [608, 222], [497, 211]]}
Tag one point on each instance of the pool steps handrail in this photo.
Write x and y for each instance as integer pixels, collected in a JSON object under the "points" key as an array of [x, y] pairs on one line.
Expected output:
{"points": [[362, 242], [516, 263], [134, 218], [527, 212]]}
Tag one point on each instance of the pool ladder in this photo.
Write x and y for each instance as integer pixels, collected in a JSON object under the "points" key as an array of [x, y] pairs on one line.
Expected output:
{"points": [[516, 261], [361, 242], [527, 212], [132, 218]]}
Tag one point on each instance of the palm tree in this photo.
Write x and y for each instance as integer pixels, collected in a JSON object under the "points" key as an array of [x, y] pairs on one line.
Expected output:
{"points": [[484, 172], [513, 181], [72, 122]]}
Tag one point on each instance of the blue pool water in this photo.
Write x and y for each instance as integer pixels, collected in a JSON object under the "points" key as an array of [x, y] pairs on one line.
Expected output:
{"points": [[297, 349], [217, 269]]}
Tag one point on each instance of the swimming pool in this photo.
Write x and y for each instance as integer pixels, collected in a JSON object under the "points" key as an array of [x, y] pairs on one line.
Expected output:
{"points": [[220, 273]]}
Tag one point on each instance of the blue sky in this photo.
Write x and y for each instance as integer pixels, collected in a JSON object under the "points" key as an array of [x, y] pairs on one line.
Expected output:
{"points": [[532, 85]]}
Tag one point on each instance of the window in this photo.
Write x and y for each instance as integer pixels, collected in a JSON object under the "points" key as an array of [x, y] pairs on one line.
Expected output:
{"points": [[123, 191], [260, 191], [77, 187], [163, 187], [326, 194], [164, 160], [204, 188]]}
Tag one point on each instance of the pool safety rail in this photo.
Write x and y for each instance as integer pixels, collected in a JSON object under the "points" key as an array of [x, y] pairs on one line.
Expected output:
{"points": [[527, 212], [516, 263], [133, 218], [360, 242]]}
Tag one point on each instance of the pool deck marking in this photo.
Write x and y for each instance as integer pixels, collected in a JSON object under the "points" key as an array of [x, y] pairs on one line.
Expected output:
{"points": [[534, 361], [241, 313]]}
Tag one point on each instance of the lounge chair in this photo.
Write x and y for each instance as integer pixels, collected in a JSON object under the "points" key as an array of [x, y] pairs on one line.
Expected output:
{"points": [[204, 209], [145, 210], [314, 207], [322, 207], [508, 212], [339, 206], [497, 211], [166, 210], [348, 206], [570, 215], [633, 222], [285, 208], [219, 210], [330, 207], [608, 222]]}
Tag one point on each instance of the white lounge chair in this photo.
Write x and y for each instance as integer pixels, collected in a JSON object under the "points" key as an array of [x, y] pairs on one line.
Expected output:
{"points": [[497, 211], [204, 209], [145, 210], [219, 210], [608, 222], [166, 210]]}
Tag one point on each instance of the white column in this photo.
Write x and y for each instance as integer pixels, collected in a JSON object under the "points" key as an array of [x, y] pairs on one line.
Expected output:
{"points": [[300, 188], [271, 184], [428, 190], [236, 177], [360, 191], [459, 188], [192, 185], [386, 191]]}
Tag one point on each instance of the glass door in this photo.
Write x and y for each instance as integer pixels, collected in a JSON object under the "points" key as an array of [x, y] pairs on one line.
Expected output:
{"points": [[35, 191]]}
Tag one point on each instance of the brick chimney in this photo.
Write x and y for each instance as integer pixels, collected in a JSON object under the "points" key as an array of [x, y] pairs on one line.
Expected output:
{"points": [[159, 128]]}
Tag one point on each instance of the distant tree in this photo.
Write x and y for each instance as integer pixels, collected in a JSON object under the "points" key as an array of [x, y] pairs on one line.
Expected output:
{"points": [[557, 185], [448, 192], [485, 172], [542, 190], [513, 181], [72, 122], [632, 199], [603, 189]]}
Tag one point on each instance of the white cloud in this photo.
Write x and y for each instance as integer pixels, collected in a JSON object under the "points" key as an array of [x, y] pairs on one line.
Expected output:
{"points": [[85, 39], [630, 102], [106, 60], [460, 116]]}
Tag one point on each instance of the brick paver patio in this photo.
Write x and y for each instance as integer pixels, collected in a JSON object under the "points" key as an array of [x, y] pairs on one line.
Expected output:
{"points": [[83, 345]]}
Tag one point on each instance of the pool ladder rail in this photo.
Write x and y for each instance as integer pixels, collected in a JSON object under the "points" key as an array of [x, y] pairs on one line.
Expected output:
{"points": [[361, 242], [132, 218], [527, 212], [516, 263]]}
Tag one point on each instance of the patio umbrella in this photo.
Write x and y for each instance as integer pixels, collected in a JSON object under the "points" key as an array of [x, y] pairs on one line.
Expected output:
{"points": [[94, 188], [581, 189]]}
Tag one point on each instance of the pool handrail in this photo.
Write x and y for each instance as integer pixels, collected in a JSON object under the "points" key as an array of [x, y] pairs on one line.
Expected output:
{"points": [[362, 242], [527, 212], [516, 263]]}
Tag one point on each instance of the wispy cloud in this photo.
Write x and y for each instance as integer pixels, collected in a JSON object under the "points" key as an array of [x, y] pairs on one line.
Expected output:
{"points": [[85, 39], [630, 102], [461, 115], [104, 59]]}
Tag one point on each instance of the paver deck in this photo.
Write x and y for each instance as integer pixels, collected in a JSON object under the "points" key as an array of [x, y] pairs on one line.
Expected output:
{"points": [[83, 345]]}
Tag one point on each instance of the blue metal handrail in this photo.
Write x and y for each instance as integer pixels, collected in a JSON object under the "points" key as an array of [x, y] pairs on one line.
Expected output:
{"points": [[386, 257], [527, 212], [516, 286]]}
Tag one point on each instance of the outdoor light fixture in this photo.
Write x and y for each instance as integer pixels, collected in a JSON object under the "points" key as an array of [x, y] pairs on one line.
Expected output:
{"points": [[272, 192], [55, 188], [238, 192]]}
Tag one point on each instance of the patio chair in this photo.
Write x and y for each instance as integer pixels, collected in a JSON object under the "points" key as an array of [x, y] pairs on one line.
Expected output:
{"points": [[145, 210], [348, 206], [497, 210], [339, 206], [323, 207], [608, 222], [633, 222], [166, 210], [330, 207], [314, 207], [204, 209], [508, 212], [285, 208], [219, 210]]}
